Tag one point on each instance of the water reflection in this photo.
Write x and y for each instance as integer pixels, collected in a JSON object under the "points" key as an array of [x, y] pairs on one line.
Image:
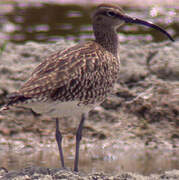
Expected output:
{"points": [[108, 160]]}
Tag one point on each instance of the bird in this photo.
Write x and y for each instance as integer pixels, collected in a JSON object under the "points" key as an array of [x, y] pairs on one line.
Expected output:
{"points": [[74, 81]]}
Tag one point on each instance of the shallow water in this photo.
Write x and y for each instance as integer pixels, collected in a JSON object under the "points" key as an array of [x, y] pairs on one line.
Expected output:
{"points": [[95, 156], [51, 22]]}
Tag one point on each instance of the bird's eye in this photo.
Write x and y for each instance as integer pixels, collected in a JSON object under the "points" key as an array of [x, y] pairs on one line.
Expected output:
{"points": [[111, 14]]}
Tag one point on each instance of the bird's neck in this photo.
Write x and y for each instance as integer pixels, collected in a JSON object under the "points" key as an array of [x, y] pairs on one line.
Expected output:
{"points": [[107, 37]]}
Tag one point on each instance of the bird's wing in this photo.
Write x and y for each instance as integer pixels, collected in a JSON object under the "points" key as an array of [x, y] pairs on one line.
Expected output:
{"points": [[64, 74], [82, 72]]}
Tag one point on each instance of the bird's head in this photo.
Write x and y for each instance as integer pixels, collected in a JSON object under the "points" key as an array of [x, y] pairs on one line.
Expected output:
{"points": [[110, 15]]}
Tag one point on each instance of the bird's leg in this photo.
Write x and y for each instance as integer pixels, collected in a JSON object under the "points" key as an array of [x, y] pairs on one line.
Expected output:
{"points": [[78, 138], [58, 137]]}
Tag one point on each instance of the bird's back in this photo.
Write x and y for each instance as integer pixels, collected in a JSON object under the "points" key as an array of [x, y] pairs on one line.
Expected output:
{"points": [[84, 74]]}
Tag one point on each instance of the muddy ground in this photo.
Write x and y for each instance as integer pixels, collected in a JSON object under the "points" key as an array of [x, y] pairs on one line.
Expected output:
{"points": [[142, 113]]}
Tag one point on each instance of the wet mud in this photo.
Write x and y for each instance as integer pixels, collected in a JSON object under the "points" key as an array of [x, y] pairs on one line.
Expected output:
{"points": [[134, 130]]}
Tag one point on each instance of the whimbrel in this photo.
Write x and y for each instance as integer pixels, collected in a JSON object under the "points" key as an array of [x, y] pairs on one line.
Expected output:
{"points": [[74, 81]]}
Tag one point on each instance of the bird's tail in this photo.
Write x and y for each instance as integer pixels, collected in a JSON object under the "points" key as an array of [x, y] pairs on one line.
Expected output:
{"points": [[5, 107], [13, 99]]}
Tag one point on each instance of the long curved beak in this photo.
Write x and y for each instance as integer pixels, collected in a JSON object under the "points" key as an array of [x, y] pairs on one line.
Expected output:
{"points": [[129, 19]]}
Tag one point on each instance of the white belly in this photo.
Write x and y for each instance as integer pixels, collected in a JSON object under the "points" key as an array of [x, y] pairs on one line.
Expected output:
{"points": [[59, 109]]}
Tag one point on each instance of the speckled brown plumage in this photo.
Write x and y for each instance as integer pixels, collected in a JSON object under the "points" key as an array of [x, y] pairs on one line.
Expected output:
{"points": [[85, 72]]}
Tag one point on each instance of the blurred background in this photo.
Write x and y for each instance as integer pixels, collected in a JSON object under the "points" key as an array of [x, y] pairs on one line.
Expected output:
{"points": [[51, 20], [48, 21]]}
